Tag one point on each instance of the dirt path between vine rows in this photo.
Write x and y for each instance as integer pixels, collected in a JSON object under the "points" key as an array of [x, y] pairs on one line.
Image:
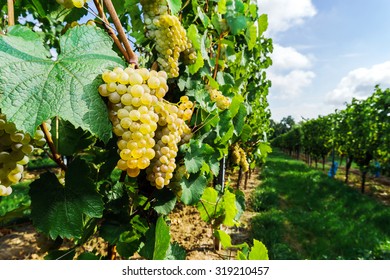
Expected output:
{"points": [[22, 242]]}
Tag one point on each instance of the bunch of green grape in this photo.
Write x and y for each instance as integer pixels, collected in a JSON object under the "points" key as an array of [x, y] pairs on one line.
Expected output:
{"points": [[244, 161], [72, 3], [236, 154], [148, 127], [239, 158], [216, 96], [171, 129], [15, 146], [170, 36]]}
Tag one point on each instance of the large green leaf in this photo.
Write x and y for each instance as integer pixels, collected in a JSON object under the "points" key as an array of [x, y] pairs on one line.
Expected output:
{"points": [[34, 88], [59, 210]]}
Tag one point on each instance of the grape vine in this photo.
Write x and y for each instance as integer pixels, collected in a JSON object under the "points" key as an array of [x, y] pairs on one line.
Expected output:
{"points": [[146, 99]]}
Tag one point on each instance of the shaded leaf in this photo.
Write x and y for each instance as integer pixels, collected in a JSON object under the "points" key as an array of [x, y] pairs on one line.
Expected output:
{"points": [[192, 188], [70, 140], [58, 210], [176, 252], [61, 255], [166, 201]]}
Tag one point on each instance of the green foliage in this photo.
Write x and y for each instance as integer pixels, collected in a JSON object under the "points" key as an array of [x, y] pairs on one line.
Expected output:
{"points": [[217, 208]]}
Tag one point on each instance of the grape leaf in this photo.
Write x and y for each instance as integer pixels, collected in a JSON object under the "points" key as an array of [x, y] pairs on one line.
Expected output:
{"points": [[224, 128], [258, 251], [192, 188], [194, 36], [166, 201], [34, 88], [251, 36], [239, 119], [157, 241], [226, 240], [174, 6], [229, 206], [57, 210], [208, 207], [246, 132], [262, 24], [197, 154], [236, 23], [69, 140], [176, 252], [222, 7]]}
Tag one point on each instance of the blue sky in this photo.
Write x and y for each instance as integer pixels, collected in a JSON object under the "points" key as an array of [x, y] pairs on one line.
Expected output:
{"points": [[326, 52]]}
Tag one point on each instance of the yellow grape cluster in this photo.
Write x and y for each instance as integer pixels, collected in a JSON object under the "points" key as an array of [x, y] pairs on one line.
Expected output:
{"points": [[239, 157], [72, 3], [148, 127], [171, 128], [216, 96], [169, 35], [15, 146]]}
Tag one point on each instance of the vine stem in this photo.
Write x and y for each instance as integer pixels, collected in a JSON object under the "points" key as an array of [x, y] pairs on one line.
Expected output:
{"points": [[110, 30], [133, 59], [55, 154], [11, 12], [218, 55]]}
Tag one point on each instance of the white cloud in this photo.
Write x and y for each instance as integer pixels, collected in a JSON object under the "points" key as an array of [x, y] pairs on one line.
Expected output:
{"points": [[284, 14], [290, 85], [290, 72], [288, 58], [360, 83]]}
